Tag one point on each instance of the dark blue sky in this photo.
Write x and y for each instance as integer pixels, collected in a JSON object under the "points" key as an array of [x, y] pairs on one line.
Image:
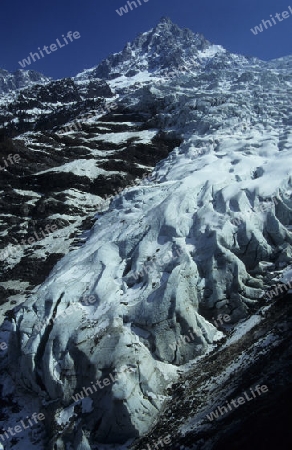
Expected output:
{"points": [[27, 25]]}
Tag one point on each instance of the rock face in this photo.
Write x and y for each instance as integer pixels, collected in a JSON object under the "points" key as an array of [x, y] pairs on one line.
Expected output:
{"points": [[47, 106], [196, 240]]}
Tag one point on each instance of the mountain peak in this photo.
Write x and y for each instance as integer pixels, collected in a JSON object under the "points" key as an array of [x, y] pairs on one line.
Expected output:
{"points": [[165, 46], [165, 22], [165, 19]]}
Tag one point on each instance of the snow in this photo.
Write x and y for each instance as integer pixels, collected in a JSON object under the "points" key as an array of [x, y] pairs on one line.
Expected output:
{"points": [[124, 82], [27, 193], [287, 275], [65, 414], [82, 167], [143, 137], [82, 198], [211, 51], [241, 329]]}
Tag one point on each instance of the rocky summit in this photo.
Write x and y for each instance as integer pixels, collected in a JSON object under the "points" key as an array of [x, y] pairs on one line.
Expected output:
{"points": [[166, 170]]}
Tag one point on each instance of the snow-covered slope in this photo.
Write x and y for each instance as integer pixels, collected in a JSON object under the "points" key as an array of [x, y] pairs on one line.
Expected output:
{"points": [[169, 255]]}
